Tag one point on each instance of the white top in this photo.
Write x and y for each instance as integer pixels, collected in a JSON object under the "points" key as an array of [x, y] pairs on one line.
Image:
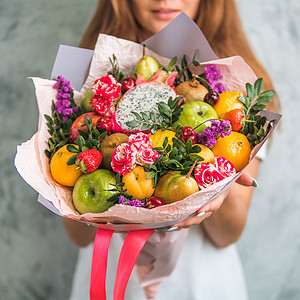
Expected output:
{"points": [[202, 272]]}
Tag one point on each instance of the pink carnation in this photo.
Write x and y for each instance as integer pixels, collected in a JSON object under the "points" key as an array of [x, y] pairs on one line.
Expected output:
{"points": [[123, 159], [146, 155], [106, 90], [225, 167], [207, 174], [139, 139]]}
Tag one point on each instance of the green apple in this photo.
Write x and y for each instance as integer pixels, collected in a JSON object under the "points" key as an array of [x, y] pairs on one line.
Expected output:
{"points": [[146, 66], [85, 102], [194, 113], [173, 187], [91, 191]]}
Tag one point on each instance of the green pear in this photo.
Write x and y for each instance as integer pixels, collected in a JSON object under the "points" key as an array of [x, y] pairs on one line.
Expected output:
{"points": [[85, 102], [146, 66], [173, 187]]}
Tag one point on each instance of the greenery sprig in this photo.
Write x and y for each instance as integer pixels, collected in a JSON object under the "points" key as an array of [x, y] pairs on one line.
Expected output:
{"points": [[255, 126], [177, 157], [168, 113], [119, 188], [89, 139], [115, 69], [58, 129]]}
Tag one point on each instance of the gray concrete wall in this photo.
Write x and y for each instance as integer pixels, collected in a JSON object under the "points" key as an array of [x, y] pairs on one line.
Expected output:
{"points": [[36, 257]]}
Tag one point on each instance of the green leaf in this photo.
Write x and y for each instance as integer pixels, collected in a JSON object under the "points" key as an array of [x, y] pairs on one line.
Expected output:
{"points": [[261, 122], [172, 63], [145, 126], [72, 160], [250, 91], [73, 149], [245, 101], [258, 107], [48, 119], [264, 99], [132, 123], [152, 117], [151, 175], [137, 115], [144, 116], [194, 156], [165, 143], [189, 146], [258, 86], [269, 93]]}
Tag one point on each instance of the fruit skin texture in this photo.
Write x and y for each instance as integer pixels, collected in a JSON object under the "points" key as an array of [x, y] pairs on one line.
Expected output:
{"points": [[61, 172], [228, 101], [140, 98], [194, 113], [188, 133], [173, 187], [235, 148], [108, 146], [206, 154], [153, 202], [235, 117], [79, 123], [85, 102], [146, 66], [159, 136], [90, 191], [137, 184], [88, 161], [191, 90]]}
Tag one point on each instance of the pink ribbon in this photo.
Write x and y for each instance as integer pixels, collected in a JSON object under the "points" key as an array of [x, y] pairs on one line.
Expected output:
{"points": [[132, 246]]}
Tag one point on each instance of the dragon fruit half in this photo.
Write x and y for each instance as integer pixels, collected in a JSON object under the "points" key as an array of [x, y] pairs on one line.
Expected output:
{"points": [[141, 98]]}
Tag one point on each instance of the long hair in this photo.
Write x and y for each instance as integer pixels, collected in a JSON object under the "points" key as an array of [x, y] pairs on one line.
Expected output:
{"points": [[218, 19]]}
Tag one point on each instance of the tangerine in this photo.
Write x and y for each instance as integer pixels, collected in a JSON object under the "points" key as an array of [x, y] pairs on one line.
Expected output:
{"points": [[61, 172], [235, 148], [227, 102]]}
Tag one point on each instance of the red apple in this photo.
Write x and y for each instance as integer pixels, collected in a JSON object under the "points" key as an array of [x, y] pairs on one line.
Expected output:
{"points": [[79, 123]]}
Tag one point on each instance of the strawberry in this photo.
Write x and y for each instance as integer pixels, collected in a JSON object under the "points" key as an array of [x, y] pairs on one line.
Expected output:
{"points": [[88, 161], [235, 117]]}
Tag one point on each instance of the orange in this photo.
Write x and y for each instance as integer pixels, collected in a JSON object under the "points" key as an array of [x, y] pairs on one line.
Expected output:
{"points": [[61, 172], [227, 102], [235, 148]]}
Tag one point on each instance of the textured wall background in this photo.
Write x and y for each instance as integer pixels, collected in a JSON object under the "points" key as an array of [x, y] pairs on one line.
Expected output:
{"points": [[36, 257]]}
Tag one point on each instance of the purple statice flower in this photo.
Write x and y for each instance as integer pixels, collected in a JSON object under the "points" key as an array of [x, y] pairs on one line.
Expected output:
{"points": [[136, 202], [217, 129], [213, 76], [63, 104]]}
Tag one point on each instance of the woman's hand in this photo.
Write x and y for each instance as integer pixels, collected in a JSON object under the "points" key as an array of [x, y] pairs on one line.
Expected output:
{"points": [[213, 206]]}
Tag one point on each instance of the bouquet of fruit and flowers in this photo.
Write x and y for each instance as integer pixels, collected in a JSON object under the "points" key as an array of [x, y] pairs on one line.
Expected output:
{"points": [[147, 137], [147, 140]]}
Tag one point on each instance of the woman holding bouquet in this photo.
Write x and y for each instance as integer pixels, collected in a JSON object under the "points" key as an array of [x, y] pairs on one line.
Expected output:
{"points": [[209, 266]]}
